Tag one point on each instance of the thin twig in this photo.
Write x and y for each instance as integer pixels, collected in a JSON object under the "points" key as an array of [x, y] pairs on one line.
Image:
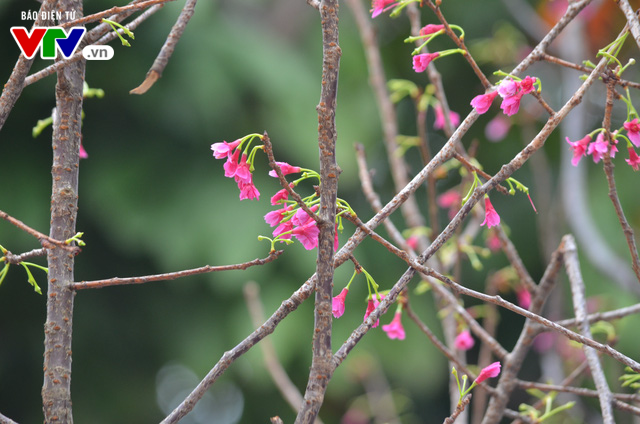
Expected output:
{"points": [[580, 307], [155, 73], [580, 391], [13, 87], [46, 241], [116, 10], [632, 19], [95, 32], [459, 408], [268, 149], [282, 381], [514, 259], [604, 316], [98, 284], [17, 259]]}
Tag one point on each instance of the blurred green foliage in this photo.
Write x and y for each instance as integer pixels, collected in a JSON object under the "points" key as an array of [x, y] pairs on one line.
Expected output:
{"points": [[152, 199]]}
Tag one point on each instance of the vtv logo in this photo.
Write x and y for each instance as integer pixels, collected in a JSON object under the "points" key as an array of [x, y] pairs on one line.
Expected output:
{"points": [[47, 39]]}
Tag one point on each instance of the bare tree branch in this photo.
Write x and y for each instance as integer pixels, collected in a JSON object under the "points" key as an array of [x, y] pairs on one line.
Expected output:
{"points": [[98, 284], [46, 241], [155, 73]]}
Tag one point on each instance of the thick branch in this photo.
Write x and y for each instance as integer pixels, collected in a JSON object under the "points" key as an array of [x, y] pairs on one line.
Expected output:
{"points": [[56, 389], [321, 370]]}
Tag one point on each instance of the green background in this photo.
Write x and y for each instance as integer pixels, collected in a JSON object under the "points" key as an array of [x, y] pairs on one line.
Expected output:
{"points": [[153, 199]]}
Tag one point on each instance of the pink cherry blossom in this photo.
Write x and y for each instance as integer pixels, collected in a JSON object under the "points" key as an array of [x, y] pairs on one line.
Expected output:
{"points": [[280, 195], [524, 297], [380, 6], [285, 227], [273, 218], [224, 149], [493, 242], [338, 303], [598, 148], [497, 129], [421, 61], [285, 168], [440, 121], [464, 340], [243, 171], [394, 329], [371, 305], [491, 371], [248, 191], [508, 88], [83, 153], [231, 164], [307, 234], [482, 102], [633, 131], [510, 105], [449, 199], [634, 159], [430, 29], [491, 217], [301, 217], [527, 84], [579, 148], [412, 242]]}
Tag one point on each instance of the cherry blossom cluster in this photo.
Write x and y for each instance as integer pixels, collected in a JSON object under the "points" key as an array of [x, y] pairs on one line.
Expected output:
{"points": [[394, 329], [601, 146], [291, 221], [511, 90], [239, 163]]}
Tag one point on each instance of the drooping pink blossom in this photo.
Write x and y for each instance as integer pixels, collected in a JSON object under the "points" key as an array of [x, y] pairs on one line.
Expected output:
{"points": [[497, 128], [412, 242], [527, 84], [301, 217], [634, 159], [491, 217], [336, 243], [430, 29], [421, 61], [371, 305], [285, 229], [248, 191], [633, 131], [231, 165], [243, 171], [482, 102], [307, 234], [579, 148], [379, 6], [493, 242], [224, 149], [394, 329], [274, 218], [280, 195], [440, 121], [338, 303], [464, 340], [83, 153], [449, 199], [490, 371], [511, 105], [285, 168], [524, 297], [508, 88], [598, 148]]}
